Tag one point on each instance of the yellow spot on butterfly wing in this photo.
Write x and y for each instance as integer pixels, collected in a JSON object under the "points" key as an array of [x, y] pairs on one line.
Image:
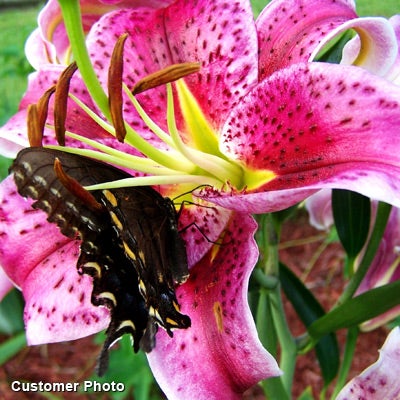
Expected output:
{"points": [[154, 313], [176, 306], [142, 287], [170, 321], [116, 221], [109, 296], [141, 255], [95, 266], [128, 251], [126, 324], [110, 198]]}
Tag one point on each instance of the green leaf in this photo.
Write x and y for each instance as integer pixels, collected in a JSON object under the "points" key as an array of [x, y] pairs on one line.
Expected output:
{"points": [[307, 394], [11, 347], [280, 217], [352, 215], [309, 310], [258, 6], [357, 310], [11, 313], [378, 229], [4, 164], [332, 51]]}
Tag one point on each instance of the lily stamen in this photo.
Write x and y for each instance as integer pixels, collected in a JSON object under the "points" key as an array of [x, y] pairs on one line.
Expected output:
{"points": [[180, 158], [169, 74], [74, 187], [34, 132], [43, 107], [115, 99], [60, 102]]}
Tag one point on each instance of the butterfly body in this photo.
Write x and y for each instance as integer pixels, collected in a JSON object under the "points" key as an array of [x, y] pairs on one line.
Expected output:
{"points": [[130, 245], [150, 247]]}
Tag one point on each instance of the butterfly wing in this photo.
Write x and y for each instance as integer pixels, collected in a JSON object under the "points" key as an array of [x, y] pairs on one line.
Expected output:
{"points": [[34, 175], [116, 286], [146, 224], [115, 278]]}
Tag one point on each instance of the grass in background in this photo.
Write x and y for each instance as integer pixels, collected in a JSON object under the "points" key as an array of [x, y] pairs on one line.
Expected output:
{"points": [[15, 27], [384, 8]]}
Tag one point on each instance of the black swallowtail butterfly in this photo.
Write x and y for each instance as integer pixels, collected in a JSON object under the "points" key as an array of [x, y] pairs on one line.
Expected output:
{"points": [[130, 245]]}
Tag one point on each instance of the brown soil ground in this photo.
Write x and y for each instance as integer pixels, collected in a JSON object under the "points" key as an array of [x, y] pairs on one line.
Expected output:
{"points": [[74, 361], [325, 279]]}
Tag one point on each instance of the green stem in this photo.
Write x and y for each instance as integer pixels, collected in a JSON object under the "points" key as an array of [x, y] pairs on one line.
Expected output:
{"points": [[352, 335], [73, 23], [265, 326], [349, 267], [269, 238], [286, 340], [273, 387], [381, 219], [12, 346]]}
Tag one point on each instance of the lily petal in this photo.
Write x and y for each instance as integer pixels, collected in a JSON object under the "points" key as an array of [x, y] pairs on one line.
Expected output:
{"points": [[220, 34], [201, 227], [49, 43], [319, 208], [57, 300], [220, 356], [290, 31], [380, 380], [23, 226], [5, 284], [394, 74], [375, 48], [313, 112]]}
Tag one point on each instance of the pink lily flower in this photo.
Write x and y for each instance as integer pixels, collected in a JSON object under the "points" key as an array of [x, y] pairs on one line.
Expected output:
{"points": [[260, 122], [380, 380]]}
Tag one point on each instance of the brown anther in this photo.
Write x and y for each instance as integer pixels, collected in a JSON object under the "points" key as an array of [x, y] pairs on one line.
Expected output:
{"points": [[60, 102], [115, 100], [43, 106], [75, 188], [166, 75], [35, 134]]}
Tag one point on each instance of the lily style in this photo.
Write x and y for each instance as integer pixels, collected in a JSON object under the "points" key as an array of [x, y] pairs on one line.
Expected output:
{"points": [[256, 127]]}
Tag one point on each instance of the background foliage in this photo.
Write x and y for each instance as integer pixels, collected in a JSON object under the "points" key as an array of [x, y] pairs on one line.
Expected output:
{"points": [[15, 26]]}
